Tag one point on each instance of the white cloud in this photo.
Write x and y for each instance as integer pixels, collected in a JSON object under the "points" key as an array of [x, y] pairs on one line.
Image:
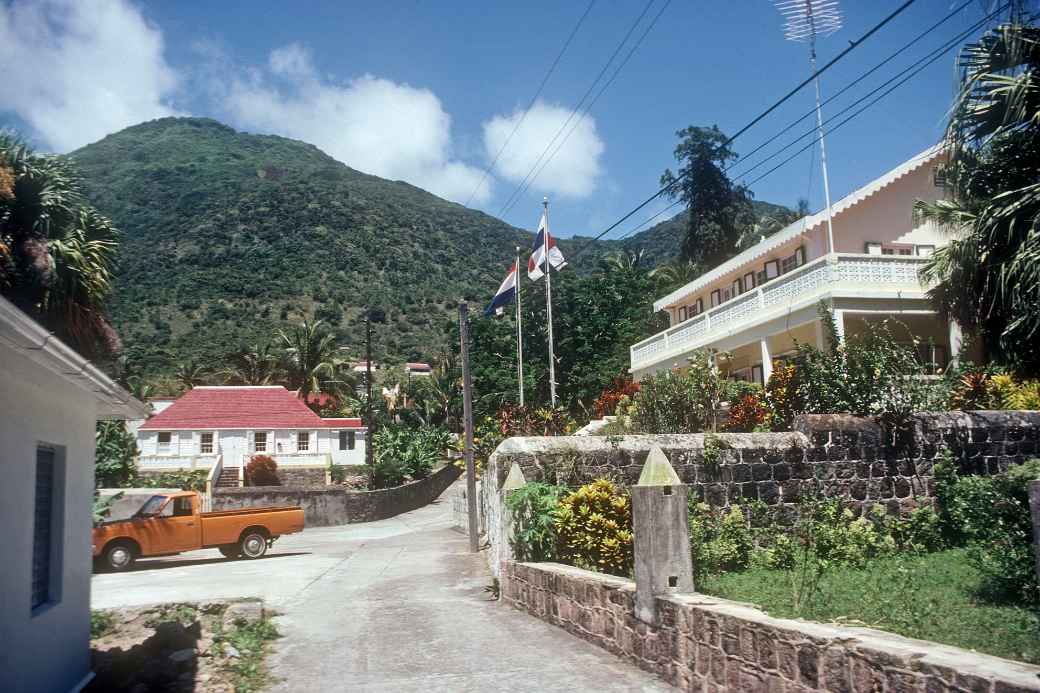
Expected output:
{"points": [[374, 125], [572, 172], [77, 70]]}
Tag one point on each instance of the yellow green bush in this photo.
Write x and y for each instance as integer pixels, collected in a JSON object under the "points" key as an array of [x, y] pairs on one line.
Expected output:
{"points": [[594, 527]]}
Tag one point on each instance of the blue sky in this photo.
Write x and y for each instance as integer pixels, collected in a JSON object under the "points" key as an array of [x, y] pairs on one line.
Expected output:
{"points": [[427, 91]]}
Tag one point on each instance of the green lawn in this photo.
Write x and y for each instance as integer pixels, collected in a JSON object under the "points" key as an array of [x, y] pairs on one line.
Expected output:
{"points": [[932, 597]]}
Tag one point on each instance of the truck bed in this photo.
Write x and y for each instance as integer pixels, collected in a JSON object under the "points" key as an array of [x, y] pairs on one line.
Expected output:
{"points": [[226, 526], [248, 511]]}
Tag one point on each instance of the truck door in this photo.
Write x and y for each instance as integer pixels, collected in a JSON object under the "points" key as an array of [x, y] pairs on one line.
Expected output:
{"points": [[176, 528]]}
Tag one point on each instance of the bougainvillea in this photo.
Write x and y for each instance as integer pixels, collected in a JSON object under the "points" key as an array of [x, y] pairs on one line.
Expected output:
{"points": [[606, 403]]}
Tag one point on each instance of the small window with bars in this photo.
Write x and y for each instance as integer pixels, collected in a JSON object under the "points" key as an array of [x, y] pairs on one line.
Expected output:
{"points": [[163, 442], [347, 440], [260, 441], [205, 443], [303, 441]]}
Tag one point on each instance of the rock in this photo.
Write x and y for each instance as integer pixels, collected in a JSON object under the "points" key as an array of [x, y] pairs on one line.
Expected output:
{"points": [[181, 656], [248, 611], [231, 651]]}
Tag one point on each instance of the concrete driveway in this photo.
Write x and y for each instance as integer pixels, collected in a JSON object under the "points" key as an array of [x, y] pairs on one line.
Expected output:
{"points": [[394, 605]]}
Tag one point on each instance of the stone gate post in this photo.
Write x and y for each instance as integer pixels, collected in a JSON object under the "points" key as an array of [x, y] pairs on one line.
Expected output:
{"points": [[661, 542]]}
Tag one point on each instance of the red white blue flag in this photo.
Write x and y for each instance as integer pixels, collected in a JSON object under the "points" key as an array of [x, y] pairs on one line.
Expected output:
{"points": [[543, 240], [505, 294]]}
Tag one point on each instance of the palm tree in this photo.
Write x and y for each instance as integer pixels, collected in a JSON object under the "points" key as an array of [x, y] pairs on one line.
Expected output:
{"points": [[311, 357], [675, 274], [257, 364], [988, 276], [189, 374], [56, 252], [623, 260]]}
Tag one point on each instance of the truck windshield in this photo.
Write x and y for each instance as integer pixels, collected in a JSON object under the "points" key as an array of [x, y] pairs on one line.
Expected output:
{"points": [[151, 506]]}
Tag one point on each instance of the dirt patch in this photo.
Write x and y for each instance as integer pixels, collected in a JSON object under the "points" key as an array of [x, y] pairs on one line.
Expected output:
{"points": [[207, 648]]}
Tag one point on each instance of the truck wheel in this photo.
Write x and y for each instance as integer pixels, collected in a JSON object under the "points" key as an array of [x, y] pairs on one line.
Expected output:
{"points": [[253, 544], [229, 550], [119, 556]]}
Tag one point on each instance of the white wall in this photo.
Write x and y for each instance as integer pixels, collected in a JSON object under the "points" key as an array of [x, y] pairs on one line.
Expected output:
{"points": [[48, 651]]}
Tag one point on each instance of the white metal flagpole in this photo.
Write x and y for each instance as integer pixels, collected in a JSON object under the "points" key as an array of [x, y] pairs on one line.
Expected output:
{"points": [[548, 306], [823, 148], [519, 333]]}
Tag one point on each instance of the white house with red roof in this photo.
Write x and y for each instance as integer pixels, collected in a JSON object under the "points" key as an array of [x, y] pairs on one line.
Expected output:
{"points": [[233, 423]]}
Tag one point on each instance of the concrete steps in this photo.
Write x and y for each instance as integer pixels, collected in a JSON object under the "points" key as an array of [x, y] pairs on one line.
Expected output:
{"points": [[228, 478]]}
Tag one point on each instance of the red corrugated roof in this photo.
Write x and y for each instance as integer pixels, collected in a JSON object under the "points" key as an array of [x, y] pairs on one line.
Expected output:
{"points": [[342, 423], [212, 408]]}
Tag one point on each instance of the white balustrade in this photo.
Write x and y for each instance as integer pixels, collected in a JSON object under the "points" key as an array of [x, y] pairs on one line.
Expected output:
{"points": [[743, 311]]}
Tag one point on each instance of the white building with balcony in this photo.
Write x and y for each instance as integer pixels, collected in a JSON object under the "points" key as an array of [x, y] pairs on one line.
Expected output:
{"points": [[228, 425], [760, 304]]}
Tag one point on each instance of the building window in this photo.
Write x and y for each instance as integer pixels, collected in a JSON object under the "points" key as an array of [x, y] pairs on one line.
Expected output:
{"points": [[756, 374], [716, 298], [162, 443], [698, 307], [47, 530], [205, 443], [260, 441], [873, 248], [347, 440], [749, 281], [737, 287], [772, 269], [682, 313], [795, 261], [303, 441]]}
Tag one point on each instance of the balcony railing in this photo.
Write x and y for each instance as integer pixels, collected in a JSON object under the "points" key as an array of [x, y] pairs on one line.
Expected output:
{"points": [[870, 273]]}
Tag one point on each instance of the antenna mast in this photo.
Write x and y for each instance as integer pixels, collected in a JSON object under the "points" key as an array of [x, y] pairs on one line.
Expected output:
{"points": [[805, 21]]}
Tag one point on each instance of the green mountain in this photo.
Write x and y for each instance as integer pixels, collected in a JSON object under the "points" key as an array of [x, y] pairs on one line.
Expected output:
{"points": [[228, 236]]}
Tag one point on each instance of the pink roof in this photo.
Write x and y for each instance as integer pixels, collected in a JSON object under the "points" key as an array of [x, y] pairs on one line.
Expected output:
{"points": [[424, 366], [212, 408]]}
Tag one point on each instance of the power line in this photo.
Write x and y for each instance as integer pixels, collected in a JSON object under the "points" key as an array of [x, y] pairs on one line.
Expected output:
{"points": [[853, 83], [588, 92], [927, 59], [592, 103], [538, 92], [851, 47], [913, 70]]}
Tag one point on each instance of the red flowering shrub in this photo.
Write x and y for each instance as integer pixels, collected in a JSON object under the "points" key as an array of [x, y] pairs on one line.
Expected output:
{"points": [[747, 414], [606, 403], [262, 470]]}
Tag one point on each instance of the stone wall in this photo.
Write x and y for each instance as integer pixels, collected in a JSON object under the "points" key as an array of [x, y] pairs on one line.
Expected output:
{"points": [[835, 455], [700, 643], [302, 476], [328, 506]]}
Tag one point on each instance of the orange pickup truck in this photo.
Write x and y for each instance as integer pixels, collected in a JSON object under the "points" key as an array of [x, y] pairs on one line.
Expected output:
{"points": [[170, 523]]}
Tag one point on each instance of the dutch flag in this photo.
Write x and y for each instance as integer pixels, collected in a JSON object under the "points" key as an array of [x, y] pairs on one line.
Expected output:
{"points": [[536, 265], [505, 294]]}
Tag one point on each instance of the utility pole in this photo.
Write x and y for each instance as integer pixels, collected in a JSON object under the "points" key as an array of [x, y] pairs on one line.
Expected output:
{"points": [[369, 450], [467, 416]]}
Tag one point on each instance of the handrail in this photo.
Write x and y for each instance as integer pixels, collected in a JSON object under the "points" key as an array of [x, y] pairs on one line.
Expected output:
{"points": [[211, 481], [758, 294]]}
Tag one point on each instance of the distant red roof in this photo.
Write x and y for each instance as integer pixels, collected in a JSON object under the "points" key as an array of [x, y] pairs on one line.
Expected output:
{"points": [[342, 423], [419, 367], [234, 407]]}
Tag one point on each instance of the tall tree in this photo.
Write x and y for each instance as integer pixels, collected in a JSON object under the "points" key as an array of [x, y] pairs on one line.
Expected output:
{"points": [[192, 373], [256, 364], [988, 276], [56, 252], [720, 211]]}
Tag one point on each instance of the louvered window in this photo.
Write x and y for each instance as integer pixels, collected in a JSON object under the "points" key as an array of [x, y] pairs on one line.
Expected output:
{"points": [[44, 532]]}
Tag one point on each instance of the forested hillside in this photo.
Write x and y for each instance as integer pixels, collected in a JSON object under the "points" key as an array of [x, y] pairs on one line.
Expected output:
{"points": [[228, 236]]}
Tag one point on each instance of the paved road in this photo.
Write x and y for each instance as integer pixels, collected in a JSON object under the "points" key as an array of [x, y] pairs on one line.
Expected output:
{"points": [[395, 605]]}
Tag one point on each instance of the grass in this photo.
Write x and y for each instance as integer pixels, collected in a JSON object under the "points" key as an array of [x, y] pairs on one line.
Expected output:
{"points": [[101, 623], [252, 641], [931, 597]]}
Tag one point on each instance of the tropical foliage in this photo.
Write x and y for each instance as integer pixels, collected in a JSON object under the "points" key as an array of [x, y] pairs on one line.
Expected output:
{"points": [[405, 454], [594, 526], [115, 454], [988, 276], [56, 251], [533, 508]]}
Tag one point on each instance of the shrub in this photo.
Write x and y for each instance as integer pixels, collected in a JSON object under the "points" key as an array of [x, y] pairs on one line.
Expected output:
{"points": [[594, 525], [720, 540], [980, 389], [919, 532], [403, 453], [782, 398], [514, 420], [184, 479], [747, 414], [114, 455], [991, 515], [607, 402], [687, 401], [533, 507], [836, 537], [262, 470]]}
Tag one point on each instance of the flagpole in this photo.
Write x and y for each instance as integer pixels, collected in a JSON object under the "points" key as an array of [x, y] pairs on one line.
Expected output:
{"points": [[519, 333], [548, 306]]}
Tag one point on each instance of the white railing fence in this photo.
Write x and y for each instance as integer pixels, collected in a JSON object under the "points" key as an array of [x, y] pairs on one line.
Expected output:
{"points": [[812, 277]]}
